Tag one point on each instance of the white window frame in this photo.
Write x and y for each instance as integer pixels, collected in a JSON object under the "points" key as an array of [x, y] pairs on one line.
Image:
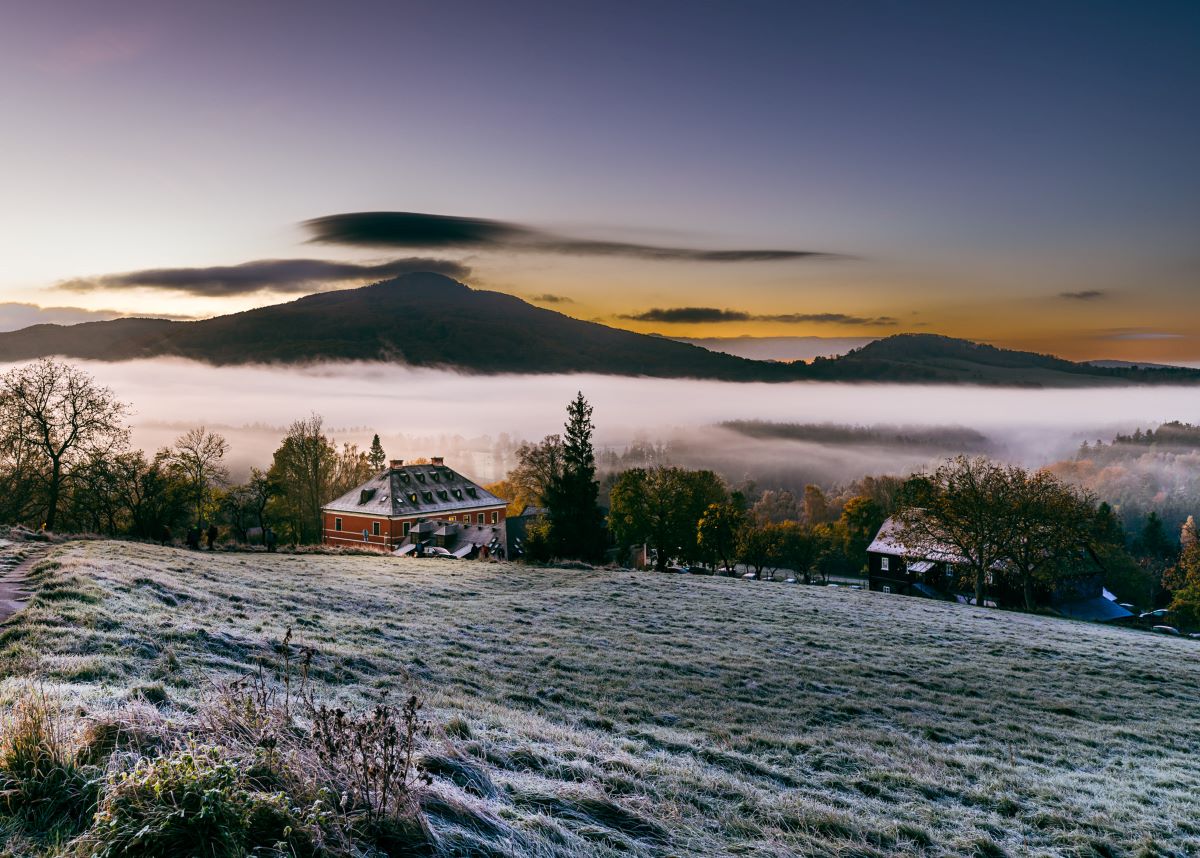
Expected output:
{"points": [[887, 588], [883, 564], [375, 530]]}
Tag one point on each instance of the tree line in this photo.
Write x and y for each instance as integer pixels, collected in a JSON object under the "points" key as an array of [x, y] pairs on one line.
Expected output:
{"points": [[66, 464]]}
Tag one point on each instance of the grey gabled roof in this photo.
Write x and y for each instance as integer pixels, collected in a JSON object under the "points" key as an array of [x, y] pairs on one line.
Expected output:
{"points": [[415, 490]]}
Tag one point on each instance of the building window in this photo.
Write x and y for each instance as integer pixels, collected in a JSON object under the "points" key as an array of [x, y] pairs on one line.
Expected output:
{"points": [[337, 524], [374, 528], [407, 525], [495, 517], [887, 589], [480, 519], [883, 564], [454, 518]]}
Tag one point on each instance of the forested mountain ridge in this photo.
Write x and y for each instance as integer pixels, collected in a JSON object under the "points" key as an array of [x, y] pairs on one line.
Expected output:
{"points": [[426, 319]]}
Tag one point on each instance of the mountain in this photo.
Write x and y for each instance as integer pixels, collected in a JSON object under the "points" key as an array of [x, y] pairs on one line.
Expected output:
{"points": [[423, 319], [427, 319]]}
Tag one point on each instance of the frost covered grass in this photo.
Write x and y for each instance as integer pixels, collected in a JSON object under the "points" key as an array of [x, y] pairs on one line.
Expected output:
{"points": [[596, 713]]}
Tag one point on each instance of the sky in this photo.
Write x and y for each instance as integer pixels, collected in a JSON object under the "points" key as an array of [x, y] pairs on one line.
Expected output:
{"points": [[1022, 174]]}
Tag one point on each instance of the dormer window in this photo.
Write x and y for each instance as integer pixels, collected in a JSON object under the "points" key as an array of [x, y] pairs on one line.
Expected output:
{"points": [[420, 476], [450, 476], [428, 496], [437, 478], [458, 494], [442, 494], [412, 496], [471, 491]]}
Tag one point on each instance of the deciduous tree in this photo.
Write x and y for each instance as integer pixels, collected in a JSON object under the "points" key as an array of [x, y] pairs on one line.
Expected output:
{"points": [[662, 506], [59, 415], [717, 532], [197, 457], [964, 508]]}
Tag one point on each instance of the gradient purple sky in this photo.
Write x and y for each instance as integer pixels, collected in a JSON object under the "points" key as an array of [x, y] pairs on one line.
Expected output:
{"points": [[979, 161]]}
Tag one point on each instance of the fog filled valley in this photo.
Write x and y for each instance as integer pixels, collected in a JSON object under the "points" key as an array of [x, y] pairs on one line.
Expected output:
{"points": [[534, 685], [768, 435]]}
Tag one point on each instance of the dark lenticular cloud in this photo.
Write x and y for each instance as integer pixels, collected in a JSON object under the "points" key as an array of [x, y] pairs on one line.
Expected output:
{"points": [[1085, 295], [412, 229], [263, 275], [551, 299], [693, 315]]}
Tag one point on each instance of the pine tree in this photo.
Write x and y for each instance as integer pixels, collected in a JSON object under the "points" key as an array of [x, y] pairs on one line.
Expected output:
{"points": [[376, 456], [576, 523]]}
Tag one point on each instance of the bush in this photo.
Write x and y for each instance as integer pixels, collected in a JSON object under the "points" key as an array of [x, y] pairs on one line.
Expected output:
{"points": [[43, 784], [198, 802]]}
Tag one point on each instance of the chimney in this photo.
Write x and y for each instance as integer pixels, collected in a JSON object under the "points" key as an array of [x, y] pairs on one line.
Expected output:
{"points": [[438, 460], [396, 464]]}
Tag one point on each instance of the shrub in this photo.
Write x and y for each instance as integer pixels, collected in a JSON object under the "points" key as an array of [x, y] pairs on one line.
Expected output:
{"points": [[197, 802], [370, 756], [43, 784]]}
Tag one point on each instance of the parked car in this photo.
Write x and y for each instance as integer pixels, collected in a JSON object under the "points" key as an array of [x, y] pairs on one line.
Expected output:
{"points": [[678, 570], [1157, 614], [1166, 630]]}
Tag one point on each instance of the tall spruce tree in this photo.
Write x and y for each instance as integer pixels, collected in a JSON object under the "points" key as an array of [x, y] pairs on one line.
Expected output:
{"points": [[376, 456], [576, 522]]}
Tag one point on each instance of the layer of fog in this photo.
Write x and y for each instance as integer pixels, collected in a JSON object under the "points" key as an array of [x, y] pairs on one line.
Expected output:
{"points": [[477, 420]]}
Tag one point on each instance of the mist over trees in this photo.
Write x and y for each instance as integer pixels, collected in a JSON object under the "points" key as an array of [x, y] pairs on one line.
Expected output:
{"points": [[1021, 536]]}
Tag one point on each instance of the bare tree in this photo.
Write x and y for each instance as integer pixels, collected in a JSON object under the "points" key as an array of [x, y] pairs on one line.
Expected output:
{"points": [[59, 414], [197, 457], [538, 467]]}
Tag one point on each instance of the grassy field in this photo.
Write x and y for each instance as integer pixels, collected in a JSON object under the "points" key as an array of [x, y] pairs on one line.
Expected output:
{"points": [[596, 713]]}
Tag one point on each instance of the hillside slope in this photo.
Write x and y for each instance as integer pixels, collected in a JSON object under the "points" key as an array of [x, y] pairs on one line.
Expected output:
{"points": [[620, 713], [939, 359]]}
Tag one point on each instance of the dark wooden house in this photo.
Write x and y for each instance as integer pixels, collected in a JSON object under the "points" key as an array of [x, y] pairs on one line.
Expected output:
{"points": [[892, 568]]}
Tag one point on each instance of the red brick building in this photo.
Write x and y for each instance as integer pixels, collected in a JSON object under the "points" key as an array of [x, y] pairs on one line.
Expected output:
{"points": [[414, 508]]}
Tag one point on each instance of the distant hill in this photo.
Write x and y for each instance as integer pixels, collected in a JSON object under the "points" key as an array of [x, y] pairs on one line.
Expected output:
{"points": [[430, 320], [934, 358]]}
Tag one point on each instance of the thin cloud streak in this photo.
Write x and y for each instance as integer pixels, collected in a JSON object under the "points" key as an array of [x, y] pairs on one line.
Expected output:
{"points": [[1138, 334], [1085, 295], [413, 230], [698, 315], [262, 275]]}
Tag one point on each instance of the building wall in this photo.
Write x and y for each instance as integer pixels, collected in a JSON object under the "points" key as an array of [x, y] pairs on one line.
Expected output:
{"points": [[895, 579], [391, 530]]}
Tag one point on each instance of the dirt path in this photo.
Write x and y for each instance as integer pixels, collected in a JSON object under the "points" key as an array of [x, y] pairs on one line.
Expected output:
{"points": [[16, 559]]}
